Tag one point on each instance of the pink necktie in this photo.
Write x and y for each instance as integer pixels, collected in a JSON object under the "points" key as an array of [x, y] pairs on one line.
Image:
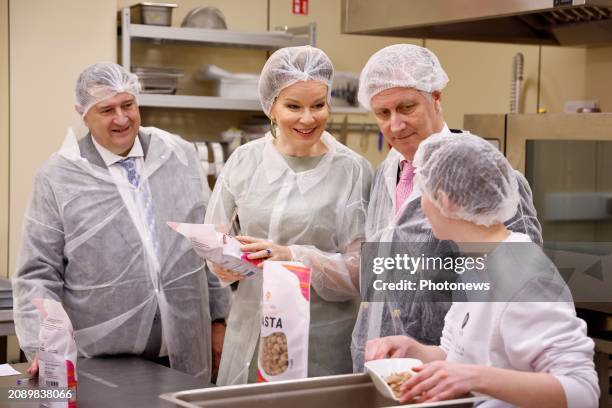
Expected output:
{"points": [[404, 187]]}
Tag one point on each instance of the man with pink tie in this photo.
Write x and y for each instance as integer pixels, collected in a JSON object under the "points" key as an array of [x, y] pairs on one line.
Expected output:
{"points": [[402, 85]]}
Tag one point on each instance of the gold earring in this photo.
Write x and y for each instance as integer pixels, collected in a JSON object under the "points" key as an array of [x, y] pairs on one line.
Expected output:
{"points": [[273, 128]]}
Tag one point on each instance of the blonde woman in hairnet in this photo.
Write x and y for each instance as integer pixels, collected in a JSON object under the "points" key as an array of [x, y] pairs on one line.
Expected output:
{"points": [[299, 195], [524, 346]]}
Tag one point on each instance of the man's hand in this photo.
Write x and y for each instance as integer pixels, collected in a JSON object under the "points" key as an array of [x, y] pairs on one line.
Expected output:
{"points": [[389, 347], [217, 335], [263, 250], [440, 380], [33, 368]]}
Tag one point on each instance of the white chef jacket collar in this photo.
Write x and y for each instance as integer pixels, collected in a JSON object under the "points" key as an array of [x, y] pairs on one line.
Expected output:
{"points": [[276, 166]]}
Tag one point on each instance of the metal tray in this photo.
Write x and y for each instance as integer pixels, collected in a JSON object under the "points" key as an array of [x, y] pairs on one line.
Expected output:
{"points": [[338, 391]]}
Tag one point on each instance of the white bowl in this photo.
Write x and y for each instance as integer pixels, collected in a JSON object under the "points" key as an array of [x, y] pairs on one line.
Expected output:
{"points": [[381, 369]]}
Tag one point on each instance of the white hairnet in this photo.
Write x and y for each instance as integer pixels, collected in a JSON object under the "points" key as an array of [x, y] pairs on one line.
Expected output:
{"points": [[102, 81], [400, 66], [290, 65], [474, 175]]}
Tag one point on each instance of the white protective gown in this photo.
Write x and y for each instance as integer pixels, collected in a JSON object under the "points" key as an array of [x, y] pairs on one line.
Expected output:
{"points": [[320, 214], [415, 317], [82, 246]]}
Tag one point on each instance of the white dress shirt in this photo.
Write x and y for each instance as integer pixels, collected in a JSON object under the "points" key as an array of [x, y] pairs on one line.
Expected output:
{"points": [[132, 200]]}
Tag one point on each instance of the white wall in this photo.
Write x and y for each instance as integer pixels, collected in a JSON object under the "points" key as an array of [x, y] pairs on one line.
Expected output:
{"points": [[50, 43], [4, 138]]}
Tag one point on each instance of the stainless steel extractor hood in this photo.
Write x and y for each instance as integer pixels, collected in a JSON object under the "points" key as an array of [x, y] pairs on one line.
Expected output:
{"points": [[552, 22]]}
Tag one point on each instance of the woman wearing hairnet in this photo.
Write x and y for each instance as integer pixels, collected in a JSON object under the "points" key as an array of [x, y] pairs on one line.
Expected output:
{"points": [[530, 352], [299, 195]]}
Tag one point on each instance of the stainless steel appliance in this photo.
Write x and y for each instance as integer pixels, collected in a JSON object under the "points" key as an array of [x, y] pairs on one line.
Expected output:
{"points": [[552, 22], [567, 159]]}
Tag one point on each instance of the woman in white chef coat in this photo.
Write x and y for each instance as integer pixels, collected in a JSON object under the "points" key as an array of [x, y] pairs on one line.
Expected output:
{"points": [[529, 353], [299, 195]]}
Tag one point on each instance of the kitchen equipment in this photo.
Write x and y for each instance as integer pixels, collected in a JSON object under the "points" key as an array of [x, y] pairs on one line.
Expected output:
{"points": [[202, 149], [205, 17], [548, 22], [344, 89], [517, 78], [351, 390], [565, 158], [6, 294], [158, 80], [230, 85], [344, 131], [159, 14], [380, 370]]}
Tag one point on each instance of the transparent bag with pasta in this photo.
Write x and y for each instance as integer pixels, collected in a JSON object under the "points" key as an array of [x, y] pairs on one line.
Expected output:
{"points": [[285, 322]]}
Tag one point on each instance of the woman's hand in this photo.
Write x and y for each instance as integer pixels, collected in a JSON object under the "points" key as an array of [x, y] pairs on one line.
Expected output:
{"points": [[225, 275], [440, 380], [264, 250], [389, 347]]}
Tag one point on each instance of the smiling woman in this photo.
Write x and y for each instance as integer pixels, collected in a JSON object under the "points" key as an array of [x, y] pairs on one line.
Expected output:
{"points": [[301, 112], [300, 196]]}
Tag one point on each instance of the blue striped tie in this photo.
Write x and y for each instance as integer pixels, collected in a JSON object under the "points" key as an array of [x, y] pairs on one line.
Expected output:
{"points": [[145, 196]]}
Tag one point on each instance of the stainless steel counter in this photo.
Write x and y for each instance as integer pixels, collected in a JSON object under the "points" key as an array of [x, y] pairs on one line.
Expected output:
{"points": [[116, 383], [7, 327], [338, 391]]}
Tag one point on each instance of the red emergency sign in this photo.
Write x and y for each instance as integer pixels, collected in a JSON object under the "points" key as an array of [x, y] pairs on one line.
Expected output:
{"points": [[300, 7]]}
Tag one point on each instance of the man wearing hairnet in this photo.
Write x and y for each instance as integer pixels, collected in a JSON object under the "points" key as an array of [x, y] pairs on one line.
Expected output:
{"points": [[402, 85], [95, 237]]}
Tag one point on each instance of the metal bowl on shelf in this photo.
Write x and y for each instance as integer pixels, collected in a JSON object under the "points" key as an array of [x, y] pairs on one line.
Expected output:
{"points": [[205, 17]]}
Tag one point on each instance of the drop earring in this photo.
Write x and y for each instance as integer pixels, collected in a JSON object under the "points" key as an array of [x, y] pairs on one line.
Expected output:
{"points": [[273, 128]]}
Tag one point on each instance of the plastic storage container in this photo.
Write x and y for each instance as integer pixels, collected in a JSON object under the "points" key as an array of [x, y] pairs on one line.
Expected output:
{"points": [[159, 14], [243, 88], [158, 80]]}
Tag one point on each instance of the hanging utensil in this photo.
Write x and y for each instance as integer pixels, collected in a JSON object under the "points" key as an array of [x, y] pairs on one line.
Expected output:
{"points": [[364, 141], [344, 131]]}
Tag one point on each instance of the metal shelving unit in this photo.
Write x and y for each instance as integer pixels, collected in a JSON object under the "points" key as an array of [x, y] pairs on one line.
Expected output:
{"points": [[199, 102], [223, 38]]}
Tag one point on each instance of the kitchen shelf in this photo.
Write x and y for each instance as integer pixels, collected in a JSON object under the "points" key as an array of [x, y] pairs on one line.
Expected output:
{"points": [[288, 37], [219, 103], [270, 40]]}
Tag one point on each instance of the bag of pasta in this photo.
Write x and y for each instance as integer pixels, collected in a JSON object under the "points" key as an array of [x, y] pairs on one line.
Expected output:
{"points": [[285, 322], [57, 353]]}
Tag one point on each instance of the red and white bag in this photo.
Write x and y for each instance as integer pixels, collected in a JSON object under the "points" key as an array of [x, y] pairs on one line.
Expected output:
{"points": [[57, 351], [285, 323], [221, 249]]}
